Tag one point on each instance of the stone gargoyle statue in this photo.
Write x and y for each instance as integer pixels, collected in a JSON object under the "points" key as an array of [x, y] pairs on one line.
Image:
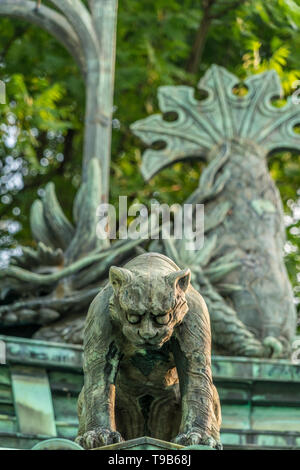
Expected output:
{"points": [[147, 359]]}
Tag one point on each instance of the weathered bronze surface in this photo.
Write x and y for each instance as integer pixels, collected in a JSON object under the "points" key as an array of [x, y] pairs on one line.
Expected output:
{"points": [[148, 443], [234, 135], [147, 359], [33, 401], [260, 398], [55, 283], [240, 270]]}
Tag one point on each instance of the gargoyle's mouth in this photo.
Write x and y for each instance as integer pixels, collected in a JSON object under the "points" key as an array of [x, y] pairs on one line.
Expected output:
{"points": [[148, 345], [152, 346]]}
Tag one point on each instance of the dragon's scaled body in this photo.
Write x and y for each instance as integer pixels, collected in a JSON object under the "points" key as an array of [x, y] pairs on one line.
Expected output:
{"points": [[235, 135]]}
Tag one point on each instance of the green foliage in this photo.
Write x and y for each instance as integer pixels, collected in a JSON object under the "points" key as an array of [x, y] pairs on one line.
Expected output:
{"points": [[42, 124]]}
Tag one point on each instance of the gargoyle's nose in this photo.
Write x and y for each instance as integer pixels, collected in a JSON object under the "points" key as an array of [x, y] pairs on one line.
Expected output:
{"points": [[147, 336], [147, 331]]}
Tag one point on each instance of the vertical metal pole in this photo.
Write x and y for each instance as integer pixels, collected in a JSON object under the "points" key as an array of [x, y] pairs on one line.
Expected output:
{"points": [[100, 90]]}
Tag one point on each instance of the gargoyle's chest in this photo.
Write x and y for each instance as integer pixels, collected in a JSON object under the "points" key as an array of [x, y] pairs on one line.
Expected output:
{"points": [[147, 365]]}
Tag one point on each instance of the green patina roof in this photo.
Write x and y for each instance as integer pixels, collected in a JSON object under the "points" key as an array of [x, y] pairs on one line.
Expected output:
{"points": [[41, 381]]}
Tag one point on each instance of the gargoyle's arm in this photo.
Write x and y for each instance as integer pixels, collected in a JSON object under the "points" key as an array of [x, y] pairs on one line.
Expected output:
{"points": [[101, 361], [192, 352]]}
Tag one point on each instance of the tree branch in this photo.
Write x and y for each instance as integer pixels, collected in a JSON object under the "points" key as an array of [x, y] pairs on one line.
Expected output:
{"points": [[200, 39], [48, 19], [205, 23]]}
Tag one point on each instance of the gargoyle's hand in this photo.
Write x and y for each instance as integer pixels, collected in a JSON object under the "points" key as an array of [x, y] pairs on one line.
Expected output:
{"points": [[196, 437], [273, 346], [98, 437]]}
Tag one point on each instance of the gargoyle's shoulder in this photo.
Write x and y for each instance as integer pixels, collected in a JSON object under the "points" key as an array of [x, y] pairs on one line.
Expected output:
{"points": [[101, 301], [196, 302], [98, 314]]}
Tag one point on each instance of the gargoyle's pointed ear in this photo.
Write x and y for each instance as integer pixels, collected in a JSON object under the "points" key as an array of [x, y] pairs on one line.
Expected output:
{"points": [[119, 276], [180, 279]]}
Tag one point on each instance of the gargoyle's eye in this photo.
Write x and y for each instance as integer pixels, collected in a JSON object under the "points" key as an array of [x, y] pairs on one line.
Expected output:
{"points": [[133, 319], [163, 319]]}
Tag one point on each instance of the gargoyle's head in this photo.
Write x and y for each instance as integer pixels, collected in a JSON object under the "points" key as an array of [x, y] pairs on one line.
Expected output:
{"points": [[148, 306]]}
